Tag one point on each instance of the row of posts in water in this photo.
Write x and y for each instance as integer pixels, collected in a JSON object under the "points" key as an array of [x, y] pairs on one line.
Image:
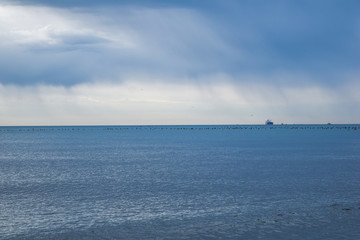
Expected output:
{"points": [[185, 128]]}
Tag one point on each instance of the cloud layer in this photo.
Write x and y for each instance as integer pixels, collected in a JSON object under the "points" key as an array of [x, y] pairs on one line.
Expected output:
{"points": [[135, 102], [65, 62], [64, 47]]}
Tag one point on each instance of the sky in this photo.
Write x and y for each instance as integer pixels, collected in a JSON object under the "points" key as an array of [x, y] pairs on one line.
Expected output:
{"points": [[137, 62]]}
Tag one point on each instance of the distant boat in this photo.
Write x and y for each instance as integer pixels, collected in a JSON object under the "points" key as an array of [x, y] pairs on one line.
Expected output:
{"points": [[268, 122]]}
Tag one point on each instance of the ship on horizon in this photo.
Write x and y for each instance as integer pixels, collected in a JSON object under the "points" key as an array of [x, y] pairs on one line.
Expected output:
{"points": [[269, 122]]}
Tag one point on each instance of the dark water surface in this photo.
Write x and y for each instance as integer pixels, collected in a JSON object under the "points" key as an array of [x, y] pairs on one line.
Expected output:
{"points": [[180, 182]]}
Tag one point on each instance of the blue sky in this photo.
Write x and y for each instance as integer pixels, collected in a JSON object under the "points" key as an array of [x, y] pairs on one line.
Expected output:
{"points": [[179, 62]]}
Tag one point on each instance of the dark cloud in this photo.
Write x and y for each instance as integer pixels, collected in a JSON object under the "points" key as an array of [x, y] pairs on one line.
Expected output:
{"points": [[319, 39], [81, 39]]}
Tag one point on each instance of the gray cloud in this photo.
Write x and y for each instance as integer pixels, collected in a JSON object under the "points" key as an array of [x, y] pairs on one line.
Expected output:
{"points": [[69, 42], [147, 41]]}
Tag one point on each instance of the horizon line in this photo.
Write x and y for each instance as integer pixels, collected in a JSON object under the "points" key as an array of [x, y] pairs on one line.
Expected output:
{"points": [[149, 125]]}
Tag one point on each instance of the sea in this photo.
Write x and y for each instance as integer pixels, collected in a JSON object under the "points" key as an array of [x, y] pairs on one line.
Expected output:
{"points": [[180, 182]]}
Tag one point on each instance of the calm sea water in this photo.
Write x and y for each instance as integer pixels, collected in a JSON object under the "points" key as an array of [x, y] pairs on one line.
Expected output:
{"points": [[180, 182]]}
